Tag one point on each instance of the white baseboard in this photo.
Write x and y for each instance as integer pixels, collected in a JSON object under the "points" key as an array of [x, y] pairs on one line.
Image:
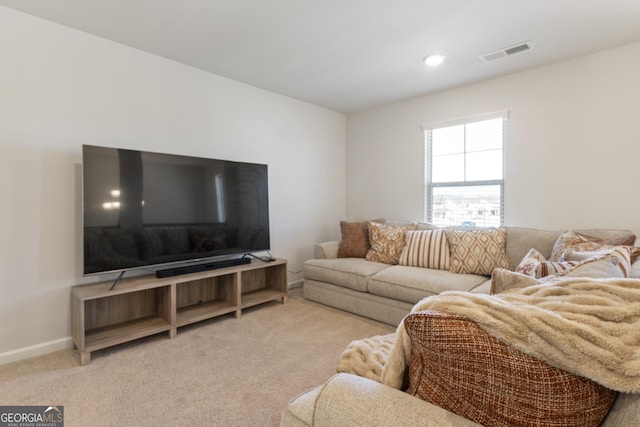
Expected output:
{"points": [[35, 350]]}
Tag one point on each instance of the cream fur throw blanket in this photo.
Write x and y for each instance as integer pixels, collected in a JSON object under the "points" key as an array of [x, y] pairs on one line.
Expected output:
{"points": [[367, 357], [589, 327]]}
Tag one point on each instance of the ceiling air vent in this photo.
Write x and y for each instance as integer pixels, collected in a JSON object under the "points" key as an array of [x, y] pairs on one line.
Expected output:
{"points": [[507, 51]]}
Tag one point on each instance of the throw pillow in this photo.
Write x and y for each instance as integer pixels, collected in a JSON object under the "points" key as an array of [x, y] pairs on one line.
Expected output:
{"points": [[456, 365], [529, 262], [387, 242], [623, 253], [582, 242], [354, 242], [426, 248], [477, 251], [598, 267], [595, 268], [535, 265]]}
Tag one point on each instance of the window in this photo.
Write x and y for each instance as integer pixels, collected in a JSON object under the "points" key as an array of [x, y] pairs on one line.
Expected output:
{"points": [[464, 165]]}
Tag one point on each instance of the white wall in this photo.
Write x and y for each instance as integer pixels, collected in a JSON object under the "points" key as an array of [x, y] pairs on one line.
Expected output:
{"points": [[573, 144], [61, 88]]}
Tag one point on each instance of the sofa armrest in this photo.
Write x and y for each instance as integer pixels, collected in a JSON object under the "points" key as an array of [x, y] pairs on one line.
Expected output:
{"points": [[326, 250], [352, 400]]}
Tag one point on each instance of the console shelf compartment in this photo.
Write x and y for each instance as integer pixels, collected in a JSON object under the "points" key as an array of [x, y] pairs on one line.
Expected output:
{"points": [[144, 306], [126, 331]]}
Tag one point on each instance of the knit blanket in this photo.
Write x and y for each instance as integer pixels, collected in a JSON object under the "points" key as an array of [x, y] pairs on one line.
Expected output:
{"points": [[366, 357], [589, 327]]}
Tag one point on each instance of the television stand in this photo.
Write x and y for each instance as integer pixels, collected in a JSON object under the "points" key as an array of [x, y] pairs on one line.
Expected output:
{"points": [[143, 306]]}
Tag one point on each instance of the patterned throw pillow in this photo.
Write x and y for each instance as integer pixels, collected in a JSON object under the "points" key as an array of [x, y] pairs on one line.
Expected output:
{"points": [[604, 266], [529, 262], [387, 242], [582, 242], [623, 253], [456, 365], [426, 248], [354, 242], [572, 246], [535, 265], [477, 251]]}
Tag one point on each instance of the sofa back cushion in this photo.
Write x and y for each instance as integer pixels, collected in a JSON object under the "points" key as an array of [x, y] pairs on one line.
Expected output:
{"points": [[455, 364], [520, 240]]}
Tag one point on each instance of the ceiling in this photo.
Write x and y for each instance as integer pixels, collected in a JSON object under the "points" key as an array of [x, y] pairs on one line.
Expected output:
{"points": [[350, 55]]}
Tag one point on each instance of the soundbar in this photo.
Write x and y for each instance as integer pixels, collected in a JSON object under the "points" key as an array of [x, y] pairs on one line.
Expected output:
{"points": [[177, 271]]}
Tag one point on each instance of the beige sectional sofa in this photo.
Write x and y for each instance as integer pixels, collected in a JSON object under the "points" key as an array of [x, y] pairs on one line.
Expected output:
{"points": [[386, 293], [349, 400]]}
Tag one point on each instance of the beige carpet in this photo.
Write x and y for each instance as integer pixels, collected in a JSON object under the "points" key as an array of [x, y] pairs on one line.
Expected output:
{"points": [[222, 372]]}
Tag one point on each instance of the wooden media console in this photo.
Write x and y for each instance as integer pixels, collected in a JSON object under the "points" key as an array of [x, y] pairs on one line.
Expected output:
{"points": [[146, 305]]}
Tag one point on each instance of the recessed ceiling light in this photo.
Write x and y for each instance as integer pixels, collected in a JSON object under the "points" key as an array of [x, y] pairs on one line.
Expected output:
{"points": [[434, 59]]}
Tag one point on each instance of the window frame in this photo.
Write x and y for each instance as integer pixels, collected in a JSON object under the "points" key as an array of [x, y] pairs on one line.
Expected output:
{"points": [[429, 185]]}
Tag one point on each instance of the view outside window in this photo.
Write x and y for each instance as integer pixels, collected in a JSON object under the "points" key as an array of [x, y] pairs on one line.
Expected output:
{"points": [[464, 173]]}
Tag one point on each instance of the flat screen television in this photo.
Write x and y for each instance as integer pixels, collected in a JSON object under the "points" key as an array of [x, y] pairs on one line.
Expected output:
{"points": [[150, 210]]}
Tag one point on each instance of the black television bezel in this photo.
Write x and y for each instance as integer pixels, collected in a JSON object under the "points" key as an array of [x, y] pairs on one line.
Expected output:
{"points": [[164, 269]]}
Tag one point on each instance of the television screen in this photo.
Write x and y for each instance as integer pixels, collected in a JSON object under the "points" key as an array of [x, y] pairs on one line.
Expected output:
{"points": [[144, 209]]}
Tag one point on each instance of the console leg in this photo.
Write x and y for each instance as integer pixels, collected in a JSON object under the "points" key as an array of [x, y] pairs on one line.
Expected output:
{"points": [[85, 358]]}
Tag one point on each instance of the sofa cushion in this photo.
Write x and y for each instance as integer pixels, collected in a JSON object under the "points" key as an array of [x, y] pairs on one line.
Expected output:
{"points": [[521, 239], [352, 273], [503, 280], [386, 242], [426, 248], [354, 242], [482, 288], [411, 284], [455, 364], [477, 251], [624, 412], [300, 409], [350, 400]]}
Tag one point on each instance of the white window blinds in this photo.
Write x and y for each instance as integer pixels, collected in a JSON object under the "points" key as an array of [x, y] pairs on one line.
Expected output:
{"points": [[464, 171]]}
